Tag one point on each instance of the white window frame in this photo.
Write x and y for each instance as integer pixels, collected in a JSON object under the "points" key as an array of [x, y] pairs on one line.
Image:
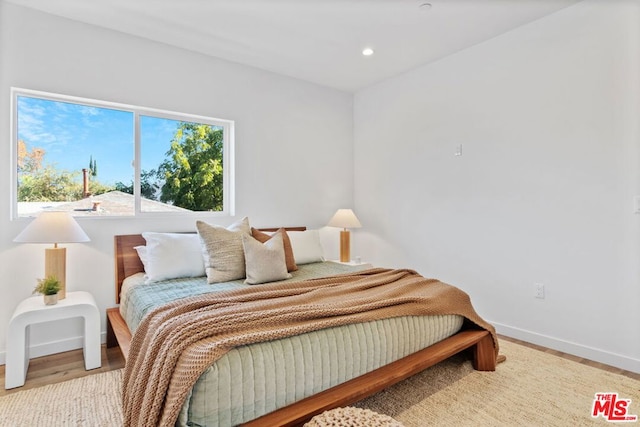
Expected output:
{"points": [[228, 164]]}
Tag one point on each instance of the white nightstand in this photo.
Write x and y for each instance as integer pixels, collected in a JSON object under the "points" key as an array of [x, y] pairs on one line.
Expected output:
{"points": [[31, 311]]}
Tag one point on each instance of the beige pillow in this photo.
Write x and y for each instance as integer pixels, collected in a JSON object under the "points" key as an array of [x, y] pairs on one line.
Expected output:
{"points": [[222, 250], [288, 252], [264, 261]]}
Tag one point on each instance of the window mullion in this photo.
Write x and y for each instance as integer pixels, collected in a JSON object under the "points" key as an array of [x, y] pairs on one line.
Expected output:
{"points": [[136, 163]]}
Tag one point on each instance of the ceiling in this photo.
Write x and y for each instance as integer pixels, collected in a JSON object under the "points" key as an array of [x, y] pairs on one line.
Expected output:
{"points": [[319, 41]]}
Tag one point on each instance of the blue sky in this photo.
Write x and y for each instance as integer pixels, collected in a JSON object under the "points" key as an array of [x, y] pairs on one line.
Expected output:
{"points": [[71, 134]]}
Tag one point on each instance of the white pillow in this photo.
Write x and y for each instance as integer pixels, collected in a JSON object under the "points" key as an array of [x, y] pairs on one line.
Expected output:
{"points": [[142, 254], [171, 255], [265, 262], [306, 246]]}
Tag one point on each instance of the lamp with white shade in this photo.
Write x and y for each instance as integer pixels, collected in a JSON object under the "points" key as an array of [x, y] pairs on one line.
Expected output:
{"points": [[54, 227], [345, 219]]}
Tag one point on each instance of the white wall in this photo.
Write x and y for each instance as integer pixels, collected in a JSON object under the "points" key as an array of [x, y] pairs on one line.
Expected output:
{"points": [[548, 118], [294, 150]]}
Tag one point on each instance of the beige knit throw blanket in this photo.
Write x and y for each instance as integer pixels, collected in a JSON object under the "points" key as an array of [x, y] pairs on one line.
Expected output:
{"points": [[175, 343]]}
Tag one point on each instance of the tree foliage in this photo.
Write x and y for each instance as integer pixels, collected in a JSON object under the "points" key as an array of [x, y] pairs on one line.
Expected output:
{"points": [[93, 167], [49, 185], [54, 185], [43, 182], [148, 185], [192, 170], [29, 160]]}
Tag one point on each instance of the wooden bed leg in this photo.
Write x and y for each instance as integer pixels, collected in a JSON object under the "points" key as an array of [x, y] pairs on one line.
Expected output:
{"points": [[118, 333], [111, 336], [484, 354]]}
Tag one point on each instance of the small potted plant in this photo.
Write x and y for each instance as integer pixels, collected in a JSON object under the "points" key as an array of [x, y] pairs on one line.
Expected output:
{"points": [[48, 287]]}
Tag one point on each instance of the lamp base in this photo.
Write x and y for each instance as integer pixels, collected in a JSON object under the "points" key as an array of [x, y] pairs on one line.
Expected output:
{"points": [[345, 246], [55, 265]]}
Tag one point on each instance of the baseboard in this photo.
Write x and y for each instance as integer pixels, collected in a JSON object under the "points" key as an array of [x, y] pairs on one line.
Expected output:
{"points": [[586, 352], [54, 347]]}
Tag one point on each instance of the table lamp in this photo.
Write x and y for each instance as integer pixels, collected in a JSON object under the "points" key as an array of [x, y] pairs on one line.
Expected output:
{"points": [[54, 227], [345, 218]]}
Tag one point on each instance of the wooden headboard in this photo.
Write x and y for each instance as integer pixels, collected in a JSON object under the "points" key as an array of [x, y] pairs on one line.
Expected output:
{"points": [[128, 262]]}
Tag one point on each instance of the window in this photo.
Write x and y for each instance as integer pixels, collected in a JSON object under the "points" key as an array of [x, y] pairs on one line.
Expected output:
{"points": [[94, 158]]}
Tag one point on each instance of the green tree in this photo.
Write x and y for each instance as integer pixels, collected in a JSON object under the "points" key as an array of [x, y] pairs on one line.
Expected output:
{"points": [[39, 181], [192, 170], [52, 185], [148, 185], [93, 167], [49, 185], [96, 187]]}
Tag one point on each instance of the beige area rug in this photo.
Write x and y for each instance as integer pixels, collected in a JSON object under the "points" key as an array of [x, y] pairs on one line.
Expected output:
{"points": [[530, 389], [93, 400]]}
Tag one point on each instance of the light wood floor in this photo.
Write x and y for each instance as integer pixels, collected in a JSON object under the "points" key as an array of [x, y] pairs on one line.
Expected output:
{"points": [[62, 367], [69, 365]]}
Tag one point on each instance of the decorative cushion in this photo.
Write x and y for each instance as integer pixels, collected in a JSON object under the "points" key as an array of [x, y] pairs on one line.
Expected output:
{"points": [[265, 262], [306, 246], [262, 237], [222, 250], [170, 256]]}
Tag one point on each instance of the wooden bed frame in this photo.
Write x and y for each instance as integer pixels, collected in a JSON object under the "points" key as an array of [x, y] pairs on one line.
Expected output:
{"points": [[478, 341]]}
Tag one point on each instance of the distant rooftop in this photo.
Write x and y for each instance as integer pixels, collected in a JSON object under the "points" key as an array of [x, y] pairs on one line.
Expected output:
{"points": [[113, 203]]}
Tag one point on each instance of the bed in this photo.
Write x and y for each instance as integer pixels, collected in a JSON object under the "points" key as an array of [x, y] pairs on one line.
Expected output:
{"points": [[352, 386]]}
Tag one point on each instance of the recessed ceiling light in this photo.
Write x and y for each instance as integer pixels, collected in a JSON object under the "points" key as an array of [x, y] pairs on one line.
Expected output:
{"points": [[367, 51], [425, 6]]}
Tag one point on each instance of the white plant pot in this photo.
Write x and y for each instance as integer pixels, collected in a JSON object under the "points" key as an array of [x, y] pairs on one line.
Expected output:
{"points": [[50, 299]]}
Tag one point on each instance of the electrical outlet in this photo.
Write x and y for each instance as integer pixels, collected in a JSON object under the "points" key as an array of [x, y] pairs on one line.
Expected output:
{"points": [[539, 290]]}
